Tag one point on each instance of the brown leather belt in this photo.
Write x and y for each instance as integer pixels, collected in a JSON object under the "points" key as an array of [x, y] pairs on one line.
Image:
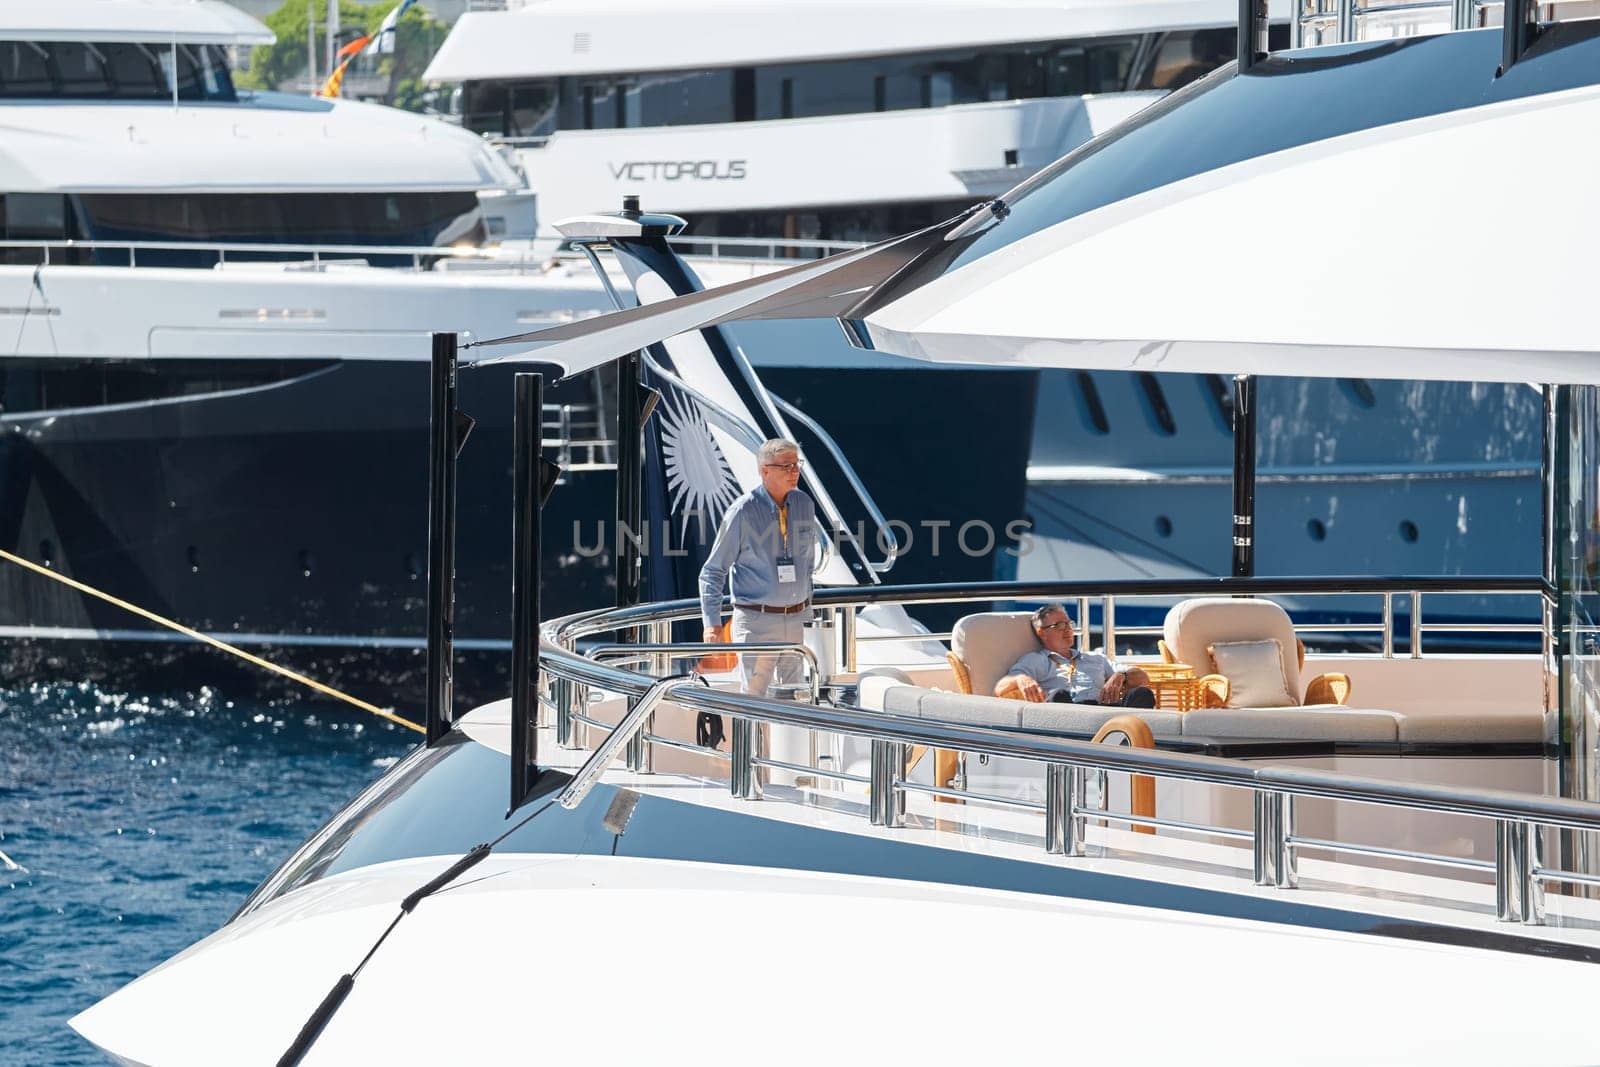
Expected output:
{"points": [[765, 610]]}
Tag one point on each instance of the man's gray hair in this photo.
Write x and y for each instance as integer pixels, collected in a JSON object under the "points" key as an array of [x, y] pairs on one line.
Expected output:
{"points": [[771, 450], [1040, 614]]}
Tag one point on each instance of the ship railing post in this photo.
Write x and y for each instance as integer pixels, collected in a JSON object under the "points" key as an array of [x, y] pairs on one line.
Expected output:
{"points": [[742, 778], [1518, 890], [1288, 865], [1057, 804], [1267, 841], [888, 807], [1077, 801]]}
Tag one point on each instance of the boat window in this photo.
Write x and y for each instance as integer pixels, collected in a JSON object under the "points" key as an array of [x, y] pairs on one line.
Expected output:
{"points": [[417, 219], [74, 69], [135, 71], [1155, 402], [82, 70], [1359, 391], [538, 107], [40, 217], [1094, 412], [850, 222], [1184, 57], [48, 385], [25, 69]]}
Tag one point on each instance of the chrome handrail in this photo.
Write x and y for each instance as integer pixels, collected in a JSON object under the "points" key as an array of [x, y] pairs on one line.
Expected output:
{"points": [[603, 620], [262, 252], [590, 772], [701, 648], [1517, 815]]}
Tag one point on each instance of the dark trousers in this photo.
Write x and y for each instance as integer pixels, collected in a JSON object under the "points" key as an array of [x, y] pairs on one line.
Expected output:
{"points": [[1140, 696]]}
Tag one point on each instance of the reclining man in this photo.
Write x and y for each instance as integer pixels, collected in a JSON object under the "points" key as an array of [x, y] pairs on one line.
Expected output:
{"points": [[1062, 673]]}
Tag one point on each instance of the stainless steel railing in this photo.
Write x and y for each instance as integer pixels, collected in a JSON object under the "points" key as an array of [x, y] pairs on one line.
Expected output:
{"points": [[1320, 22], [319, 255], [1082, 597], [1520, 819]]}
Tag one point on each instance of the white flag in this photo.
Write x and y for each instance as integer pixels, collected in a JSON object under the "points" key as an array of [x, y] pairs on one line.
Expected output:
{"points": [[383, 41]]}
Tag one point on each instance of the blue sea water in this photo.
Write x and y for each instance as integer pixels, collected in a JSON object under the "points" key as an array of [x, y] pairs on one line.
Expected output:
{"points": [[140, 822]]}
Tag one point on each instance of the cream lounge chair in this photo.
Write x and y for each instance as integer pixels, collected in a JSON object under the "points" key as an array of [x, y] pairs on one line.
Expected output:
{"points": [[1243, 646]]}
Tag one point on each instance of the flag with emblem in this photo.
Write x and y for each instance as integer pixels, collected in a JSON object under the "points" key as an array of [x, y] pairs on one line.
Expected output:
{"points": [[383, 41]]}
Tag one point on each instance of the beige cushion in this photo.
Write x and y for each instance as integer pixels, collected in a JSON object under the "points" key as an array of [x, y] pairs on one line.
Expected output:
{"points": [[990, 643], [1191, 625], [1254, 670], [1318, 722]]}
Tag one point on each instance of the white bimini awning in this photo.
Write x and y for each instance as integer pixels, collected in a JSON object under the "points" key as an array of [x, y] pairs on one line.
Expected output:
{"points": [[1456, 247]]}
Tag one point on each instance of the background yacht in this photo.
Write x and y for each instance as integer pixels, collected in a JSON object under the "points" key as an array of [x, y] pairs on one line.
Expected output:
{"points": [[215, 311]]}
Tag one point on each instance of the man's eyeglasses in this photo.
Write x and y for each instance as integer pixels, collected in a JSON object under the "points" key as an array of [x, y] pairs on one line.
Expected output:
{"points": [[1061, 624], [787, 468]]}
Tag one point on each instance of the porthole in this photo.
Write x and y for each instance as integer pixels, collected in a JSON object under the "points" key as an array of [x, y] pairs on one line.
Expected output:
{"points": [[1156, 405], [1093, 409], [1163, 526], [1408, 532], [1317, 530]]}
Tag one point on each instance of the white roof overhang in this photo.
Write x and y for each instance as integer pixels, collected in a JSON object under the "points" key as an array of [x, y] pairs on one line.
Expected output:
{"points": [[563, 37], [145, 21], [269, 143]]}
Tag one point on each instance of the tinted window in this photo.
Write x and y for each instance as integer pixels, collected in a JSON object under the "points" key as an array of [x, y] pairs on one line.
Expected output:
{"points": [[54, 384], [134, 70], [81, 70], [869, 222], [798, 90], [267, 218], [70, 69], [24, 70]]}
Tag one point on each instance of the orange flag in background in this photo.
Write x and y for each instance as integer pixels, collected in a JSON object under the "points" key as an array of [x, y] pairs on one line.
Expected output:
{"points": [[346, 54]]}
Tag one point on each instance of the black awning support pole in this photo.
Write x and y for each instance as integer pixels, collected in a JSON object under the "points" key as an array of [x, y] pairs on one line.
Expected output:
{"points": [[1517, 32], [442, 447], [527, 435], [630, 480], [1244, 476], [1252, 33]]}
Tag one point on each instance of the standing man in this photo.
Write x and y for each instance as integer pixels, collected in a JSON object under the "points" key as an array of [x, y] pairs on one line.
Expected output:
{"points": [[767, 540]]}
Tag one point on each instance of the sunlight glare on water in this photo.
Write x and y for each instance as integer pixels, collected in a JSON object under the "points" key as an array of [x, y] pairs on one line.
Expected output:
{"points": [[139, 823]]}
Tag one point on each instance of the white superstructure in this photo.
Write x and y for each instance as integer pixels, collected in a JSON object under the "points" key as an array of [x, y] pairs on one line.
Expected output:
{"points": [[807, 120]]}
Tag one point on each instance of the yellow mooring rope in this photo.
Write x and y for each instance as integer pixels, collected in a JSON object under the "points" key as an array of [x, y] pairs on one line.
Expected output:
{"points": [[212, 641]]}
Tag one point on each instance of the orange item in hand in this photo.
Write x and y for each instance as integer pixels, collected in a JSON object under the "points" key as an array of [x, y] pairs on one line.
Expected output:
{"points": [[720, 662]]}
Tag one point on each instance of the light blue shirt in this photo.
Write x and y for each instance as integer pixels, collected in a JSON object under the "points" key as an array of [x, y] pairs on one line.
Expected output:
{"points": [[1081, 676], [749, 544]]}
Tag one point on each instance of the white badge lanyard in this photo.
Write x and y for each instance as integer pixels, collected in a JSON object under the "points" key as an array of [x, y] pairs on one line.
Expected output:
{"points": [[787, 572]]}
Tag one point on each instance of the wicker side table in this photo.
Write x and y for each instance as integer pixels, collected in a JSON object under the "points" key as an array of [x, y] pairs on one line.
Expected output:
{"points": [[1175, 685]]}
